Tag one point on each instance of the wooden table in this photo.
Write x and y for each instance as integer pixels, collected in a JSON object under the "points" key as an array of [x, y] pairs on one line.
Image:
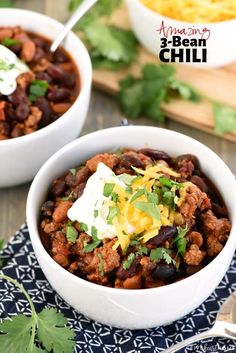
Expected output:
{"points": [[103, 113]]}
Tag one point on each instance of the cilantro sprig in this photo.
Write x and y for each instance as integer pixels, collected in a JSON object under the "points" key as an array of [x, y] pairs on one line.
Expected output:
{"points": [[162, 254], [19, 333], [37, 88], [95, 241], [180, 240]]}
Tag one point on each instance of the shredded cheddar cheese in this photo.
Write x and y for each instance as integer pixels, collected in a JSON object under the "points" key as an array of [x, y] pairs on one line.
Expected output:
{"points": [[196, 11]]}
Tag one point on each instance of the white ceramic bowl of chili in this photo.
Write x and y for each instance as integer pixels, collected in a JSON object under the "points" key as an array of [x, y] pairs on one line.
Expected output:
{"points": [[140, 308], [21, 157]]}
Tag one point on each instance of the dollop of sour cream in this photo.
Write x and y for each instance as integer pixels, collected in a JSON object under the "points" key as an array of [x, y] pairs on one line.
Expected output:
{"points": [[10, 68], [92, 207]]}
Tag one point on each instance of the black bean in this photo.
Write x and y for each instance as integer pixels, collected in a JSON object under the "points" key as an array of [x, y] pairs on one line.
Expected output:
{"points": [[58, 188], [58, 94], [163, 271], [164, 234], [199, 182], [47, 208], [22, 111], [155, 154]]}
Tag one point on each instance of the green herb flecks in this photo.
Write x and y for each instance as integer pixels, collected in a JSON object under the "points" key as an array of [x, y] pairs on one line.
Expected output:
{"points": [[169, 183], [108, 188], [180, 240], [71, 233], [37, 88], [19, 333], [4, 66], [100, 264], [113, 212], [10, 41], [83, 226], [149, 208], [95, 241], [127, 263], [159, 254]]}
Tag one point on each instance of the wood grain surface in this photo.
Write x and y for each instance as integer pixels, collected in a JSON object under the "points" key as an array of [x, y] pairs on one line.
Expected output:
{"points": [[103, 113]]}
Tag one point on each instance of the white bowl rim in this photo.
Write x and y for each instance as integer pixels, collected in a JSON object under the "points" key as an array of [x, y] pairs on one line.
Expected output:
{"points": [[179, 22], [119, 291], [84, 86]]}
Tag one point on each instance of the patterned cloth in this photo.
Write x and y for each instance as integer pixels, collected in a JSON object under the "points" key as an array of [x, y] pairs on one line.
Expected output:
{"points": [[92, 337]]}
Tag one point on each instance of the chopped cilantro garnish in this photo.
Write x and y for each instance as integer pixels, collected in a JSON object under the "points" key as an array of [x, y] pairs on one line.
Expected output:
{"points": [[10, 41], [113, 212], [108, 188], [91, 246], [139, 193], [169, 183], [129, 190], [114, 197], [143, 250], [180, 240], [134, 242], [83, 226], [71, 233], [100, 264], [66, 198], [149, 208], [73, 171], [127, 178], [127, 263], [168, 198], [95, 213], [162, 254], [37, 88], [4, 66], [94, 233]]}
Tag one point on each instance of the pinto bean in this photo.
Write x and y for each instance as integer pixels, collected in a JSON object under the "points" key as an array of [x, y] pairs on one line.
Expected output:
{"points": [[60, 108], [28, 51], [134, 282], [60, 212], [155, 154], [5, 33]]}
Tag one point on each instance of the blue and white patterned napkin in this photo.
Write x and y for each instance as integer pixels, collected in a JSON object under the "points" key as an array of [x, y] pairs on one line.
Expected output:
{"points": [[92, 337]]}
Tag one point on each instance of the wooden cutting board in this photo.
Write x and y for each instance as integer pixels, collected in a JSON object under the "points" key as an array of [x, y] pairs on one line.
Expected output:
{"points": [[219, 84]]}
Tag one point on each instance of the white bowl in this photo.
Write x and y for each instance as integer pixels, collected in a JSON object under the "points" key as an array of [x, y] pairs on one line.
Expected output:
{"points": [[221, 46], [142, 308], [21, 157]]}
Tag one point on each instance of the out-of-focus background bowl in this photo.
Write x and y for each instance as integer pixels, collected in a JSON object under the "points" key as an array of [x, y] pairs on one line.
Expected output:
{"points": [[142, 308], [221, 46], [21, 158]]}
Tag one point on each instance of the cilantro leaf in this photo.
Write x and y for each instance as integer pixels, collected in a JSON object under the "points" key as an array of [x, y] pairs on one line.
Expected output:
{"points": [[15, 334], [108, 188], [127, 263], [143, 250], [139, 193], [38, 88], [127, 178], [159, 254], [185, 91], [4, 66], [94, 233], [113, 212], [52, 332], [91, 246], [73, 171], [168, 198], [71, 233], [225, 118], [149, 208], [180, 240], [10, 41], [169, 183], [83, 226]]}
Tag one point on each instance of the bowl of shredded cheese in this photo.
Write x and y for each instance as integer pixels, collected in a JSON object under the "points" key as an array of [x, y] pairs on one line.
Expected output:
{"points": [[205, 30]]}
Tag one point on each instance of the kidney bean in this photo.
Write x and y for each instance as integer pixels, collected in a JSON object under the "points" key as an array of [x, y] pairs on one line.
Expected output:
{"points": [[22, 111], [199, 182], [129, 160], [39, 54], [163, 271], [56, 73], [58, 94], [187, 158], [60, 57], [16, 48], [45, 108], [58, 188], [164, 234], [10, 113], [123, 274], [44, 76], [155, 154], [17, 96], [39, 42], [220, 211], [17, 132], [78, 191]]}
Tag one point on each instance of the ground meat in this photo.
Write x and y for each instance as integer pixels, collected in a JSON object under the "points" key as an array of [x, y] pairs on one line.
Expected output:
{"points": [[194, 199], [216, 231], [194, 256], [110, 160], [60, 249], [31, 123], [186, 164], [49, 226]]}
